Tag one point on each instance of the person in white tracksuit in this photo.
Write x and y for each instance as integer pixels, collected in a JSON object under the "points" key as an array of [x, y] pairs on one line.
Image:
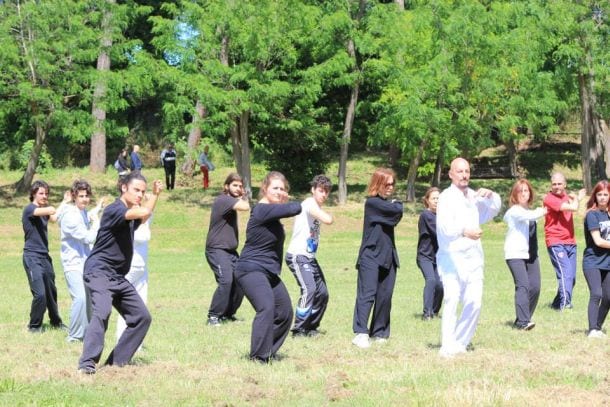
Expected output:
{"points": [[78, 229], [138, 272], [460, 212]]}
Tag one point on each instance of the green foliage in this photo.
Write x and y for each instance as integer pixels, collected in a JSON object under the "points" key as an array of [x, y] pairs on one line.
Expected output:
{"points": [[449, 74], [23, 157]]}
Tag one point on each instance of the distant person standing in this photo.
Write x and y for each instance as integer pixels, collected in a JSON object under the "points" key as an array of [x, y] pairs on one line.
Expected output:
{"points": [[168, 160], [205, 165], [221, 249], [301, 259], [105, 271], [121, 163], [596, 258], [138, 270], [521, 251], [460, 212], [427, 246], [78, 229], [377, 261], [559, 238], [259, 267], [136, 163], [36, 260]]}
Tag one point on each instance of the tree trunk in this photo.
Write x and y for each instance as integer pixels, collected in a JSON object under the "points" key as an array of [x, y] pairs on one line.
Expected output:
{"points": [[592, 135], [400, 4], [24, 184], [394, 155], [438, 167], [193, 139], [347, 131], [97, 160], [412, 173], [244, 169], [511, 149]]}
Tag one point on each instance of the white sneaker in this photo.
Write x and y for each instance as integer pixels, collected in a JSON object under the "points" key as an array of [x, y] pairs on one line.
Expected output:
{"points": [[379, 340], [448, 352], [361, 341], [595, 333]]}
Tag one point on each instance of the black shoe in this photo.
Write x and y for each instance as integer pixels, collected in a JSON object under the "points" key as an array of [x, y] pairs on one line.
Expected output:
{"points": [[231, 318], [525, 327], [214, 321], [61, 326], [299, 334], [426, 317], [35, 330], [86, 370], [313, 333]]}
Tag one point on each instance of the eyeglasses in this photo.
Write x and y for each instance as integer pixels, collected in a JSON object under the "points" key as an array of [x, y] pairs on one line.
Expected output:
{"points": [[389, 184]]}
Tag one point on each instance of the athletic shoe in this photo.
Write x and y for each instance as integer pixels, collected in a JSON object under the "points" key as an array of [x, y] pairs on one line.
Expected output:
{"points": [[299, 334], [86, 370], [35, 330], [362, 341], [596, 333], [448, 352], [525, 327], [379, 340], [61, 326], [214, 321], [426, 317]]}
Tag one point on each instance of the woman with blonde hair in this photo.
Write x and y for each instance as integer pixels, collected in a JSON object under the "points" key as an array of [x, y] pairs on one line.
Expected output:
{"points": [[259, 266], [377, 260]]}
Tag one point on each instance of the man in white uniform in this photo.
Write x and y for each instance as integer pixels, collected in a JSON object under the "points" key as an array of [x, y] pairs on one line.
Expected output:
{"points": [[138, 271], [460, 213]]}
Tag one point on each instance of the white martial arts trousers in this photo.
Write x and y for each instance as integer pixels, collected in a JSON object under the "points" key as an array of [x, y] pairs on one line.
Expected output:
{"points": [[465, 286], [138, 277]]}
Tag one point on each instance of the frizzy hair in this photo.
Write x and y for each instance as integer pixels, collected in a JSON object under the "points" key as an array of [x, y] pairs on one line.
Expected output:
{"points": [[516, 190], [601, 185], [80, 185], [379, 179], [321, 181]]}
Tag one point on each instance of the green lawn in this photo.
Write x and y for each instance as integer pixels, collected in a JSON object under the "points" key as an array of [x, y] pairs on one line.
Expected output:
{"points": [[186, 362]]}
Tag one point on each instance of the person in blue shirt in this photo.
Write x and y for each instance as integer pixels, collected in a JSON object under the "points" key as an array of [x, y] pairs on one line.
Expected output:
{"points": [[136, 163]]}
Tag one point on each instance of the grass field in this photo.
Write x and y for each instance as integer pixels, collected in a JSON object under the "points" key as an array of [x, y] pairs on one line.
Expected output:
{"points": [[188, 363]]}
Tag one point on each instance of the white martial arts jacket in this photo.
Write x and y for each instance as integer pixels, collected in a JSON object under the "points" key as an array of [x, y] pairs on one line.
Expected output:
{"points": [[455, 213]]}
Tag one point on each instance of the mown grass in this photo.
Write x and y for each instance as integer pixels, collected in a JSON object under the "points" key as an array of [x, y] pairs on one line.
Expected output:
{"points": [[186, 362]]}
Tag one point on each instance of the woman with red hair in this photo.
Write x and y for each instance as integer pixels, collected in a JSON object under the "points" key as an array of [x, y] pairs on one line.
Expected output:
{"points": [[377, 260]]}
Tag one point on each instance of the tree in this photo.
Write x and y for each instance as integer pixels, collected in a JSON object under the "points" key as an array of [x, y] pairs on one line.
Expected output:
{"points": [[580, 30], [45, 53]]}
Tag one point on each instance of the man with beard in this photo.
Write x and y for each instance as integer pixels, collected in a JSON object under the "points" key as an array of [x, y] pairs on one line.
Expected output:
{"points": [[221, 249]]}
